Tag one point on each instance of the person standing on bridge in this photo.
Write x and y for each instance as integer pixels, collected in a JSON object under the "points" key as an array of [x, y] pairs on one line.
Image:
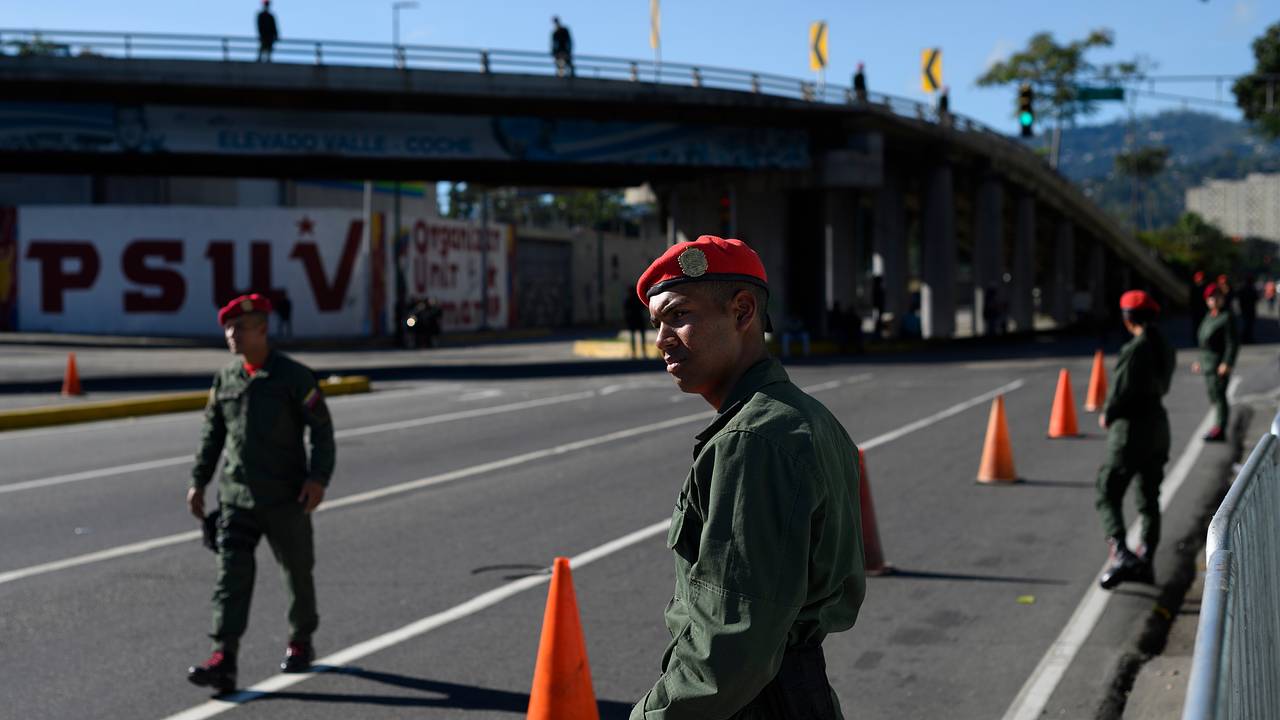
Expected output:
{"points": [[1137, 439], [1219, 345], [766, 531], [562, 48], [268, 32], [258, 408], [860, 83]]}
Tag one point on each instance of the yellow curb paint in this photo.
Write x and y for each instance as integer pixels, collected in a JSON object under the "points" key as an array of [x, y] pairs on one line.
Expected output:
{"points": [[1026, 599], [136, 407]]}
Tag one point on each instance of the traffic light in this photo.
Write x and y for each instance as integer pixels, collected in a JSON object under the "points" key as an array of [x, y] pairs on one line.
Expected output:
{"points": [[726, 215], [1026, 109]]}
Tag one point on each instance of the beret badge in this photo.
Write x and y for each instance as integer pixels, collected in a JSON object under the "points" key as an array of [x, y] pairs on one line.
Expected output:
{"points": [[693, 262]]}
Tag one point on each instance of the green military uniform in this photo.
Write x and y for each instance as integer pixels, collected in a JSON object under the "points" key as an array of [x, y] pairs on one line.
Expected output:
{"points": [[1219, 343], [260, 419], [768, 552], [1138, 436]]}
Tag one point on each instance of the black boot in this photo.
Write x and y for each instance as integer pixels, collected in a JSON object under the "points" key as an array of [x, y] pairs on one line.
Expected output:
{"points": [[1123, 567], [218, 672], [1145, 570], [298, 656]]}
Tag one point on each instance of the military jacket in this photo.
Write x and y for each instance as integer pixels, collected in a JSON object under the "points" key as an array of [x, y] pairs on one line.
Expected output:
{"points": [[767, 540], [259, 421], [1136, 420], [1219, 341]]}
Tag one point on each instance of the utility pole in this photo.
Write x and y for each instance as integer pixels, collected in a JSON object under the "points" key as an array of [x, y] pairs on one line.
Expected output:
{"points": [[396, 49]]}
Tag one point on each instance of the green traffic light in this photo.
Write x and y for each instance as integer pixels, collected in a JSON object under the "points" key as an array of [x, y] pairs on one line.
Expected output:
{"points": [[1026, 118]]}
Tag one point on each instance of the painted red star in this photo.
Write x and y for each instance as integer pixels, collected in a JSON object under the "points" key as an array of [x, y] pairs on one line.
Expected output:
{"points": [[306, 226]]}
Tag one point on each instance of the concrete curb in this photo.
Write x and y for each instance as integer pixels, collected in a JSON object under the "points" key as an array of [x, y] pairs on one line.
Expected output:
{"points": [[621, 349], [150, 405]]}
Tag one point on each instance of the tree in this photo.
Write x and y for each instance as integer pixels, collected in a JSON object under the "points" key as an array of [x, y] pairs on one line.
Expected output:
{"points": [[1055, 72], [1141, 165], [1258, 93], [1193, 244]]}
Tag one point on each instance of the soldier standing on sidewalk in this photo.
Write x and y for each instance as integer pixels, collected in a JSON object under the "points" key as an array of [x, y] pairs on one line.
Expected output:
{"points": [[1219, 345], [766, 531], [1137, 439], [259, 405]]}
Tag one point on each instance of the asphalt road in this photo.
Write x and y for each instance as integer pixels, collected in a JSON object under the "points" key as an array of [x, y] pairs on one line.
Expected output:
{"points": [[448, 490]]}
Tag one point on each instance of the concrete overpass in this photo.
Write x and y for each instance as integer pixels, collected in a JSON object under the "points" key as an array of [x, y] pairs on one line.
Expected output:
{"points": [[824, 185]]}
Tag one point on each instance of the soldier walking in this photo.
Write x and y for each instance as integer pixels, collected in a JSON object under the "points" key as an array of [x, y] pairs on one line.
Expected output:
{"points": [[1219, 345], [259, 405], [766, 530], [1137, 439]]}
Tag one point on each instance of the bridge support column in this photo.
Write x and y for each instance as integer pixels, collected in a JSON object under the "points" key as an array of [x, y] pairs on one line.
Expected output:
{"points": [[839, 253], [1097, 281], [760, 220], [1064, 272], [1021, 306], [988, 252], [889, 262], [938, 257]]}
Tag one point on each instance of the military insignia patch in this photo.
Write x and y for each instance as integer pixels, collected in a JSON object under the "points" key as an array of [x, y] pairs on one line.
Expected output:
{"points": [[693, 262]]}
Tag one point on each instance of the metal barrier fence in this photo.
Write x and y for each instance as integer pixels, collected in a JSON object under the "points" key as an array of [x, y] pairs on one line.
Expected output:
{"points": [[229, 48], [1235, 671]]}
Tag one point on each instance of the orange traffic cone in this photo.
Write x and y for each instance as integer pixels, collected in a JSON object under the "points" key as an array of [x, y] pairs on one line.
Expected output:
{"points": [[562, 678], [1097, 394], [872, 554], [1062, 421], [71, 379], [997, 452]]}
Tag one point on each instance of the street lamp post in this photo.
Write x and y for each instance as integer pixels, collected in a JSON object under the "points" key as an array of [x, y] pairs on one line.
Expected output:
{"points": [[396, 7]]}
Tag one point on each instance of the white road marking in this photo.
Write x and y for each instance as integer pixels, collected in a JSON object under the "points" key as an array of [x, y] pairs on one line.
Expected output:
{"points": [[414, 629], [479, 395], [1036, 691], [399, 488], [939, 416]]}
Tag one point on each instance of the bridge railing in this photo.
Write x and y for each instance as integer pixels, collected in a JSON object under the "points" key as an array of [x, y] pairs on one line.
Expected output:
{"points": [[233, 48], [1233, 669]]}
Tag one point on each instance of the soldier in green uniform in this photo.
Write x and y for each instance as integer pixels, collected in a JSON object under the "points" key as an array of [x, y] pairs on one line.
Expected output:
{"points": [[1137, 439], [766, 530], [1219, 345], [258, 408]]}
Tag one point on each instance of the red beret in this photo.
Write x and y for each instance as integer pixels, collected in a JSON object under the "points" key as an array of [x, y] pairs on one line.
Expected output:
{"points": [[253, 303], [1211, 289], [1222, 280], [1138, 300], [707, 258], [1198, 277]]}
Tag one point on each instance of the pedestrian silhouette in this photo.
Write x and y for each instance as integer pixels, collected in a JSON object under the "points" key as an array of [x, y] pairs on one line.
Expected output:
{"points": [[284, 308], [268, 32], [562, 48], [636, 316], [860, 83]]}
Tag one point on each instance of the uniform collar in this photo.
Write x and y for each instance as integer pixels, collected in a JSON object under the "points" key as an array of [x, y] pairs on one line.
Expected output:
{"points": [[262, 372], [766, 372]]}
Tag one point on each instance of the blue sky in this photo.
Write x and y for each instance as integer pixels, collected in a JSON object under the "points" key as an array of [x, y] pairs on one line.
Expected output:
{"points": [[1181, 36]]}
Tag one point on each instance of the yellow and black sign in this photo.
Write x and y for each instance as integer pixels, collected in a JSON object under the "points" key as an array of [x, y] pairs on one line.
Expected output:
{"points": [[818, 45], [931, 69]]}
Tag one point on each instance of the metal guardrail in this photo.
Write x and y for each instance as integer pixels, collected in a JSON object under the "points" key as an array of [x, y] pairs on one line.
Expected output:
{"points": [[230, 48], [1235, 671]]}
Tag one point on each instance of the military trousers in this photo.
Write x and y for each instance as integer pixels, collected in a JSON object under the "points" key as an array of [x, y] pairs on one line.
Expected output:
{"points": [[800, 690], [1217, 386], [1114, 479], [288, 532]]}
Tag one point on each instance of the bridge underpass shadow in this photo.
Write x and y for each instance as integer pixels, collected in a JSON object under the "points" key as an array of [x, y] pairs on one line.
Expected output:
{"points": [[908, 574], [434, 694]]}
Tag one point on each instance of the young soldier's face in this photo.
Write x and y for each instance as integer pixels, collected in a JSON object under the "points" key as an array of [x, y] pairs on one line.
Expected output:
{"points": [[696, 338], [246, 334]]}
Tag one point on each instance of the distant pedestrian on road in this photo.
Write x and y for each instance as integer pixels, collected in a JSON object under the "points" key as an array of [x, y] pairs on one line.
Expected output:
{"points": [[860, 83], [1137, 439], [259, 406], [268, 32], [766, 530], [1219, 345], [562, 48], [636, 316], [1196, 301], [284, 308], [1269, 294], [1247, 298]]}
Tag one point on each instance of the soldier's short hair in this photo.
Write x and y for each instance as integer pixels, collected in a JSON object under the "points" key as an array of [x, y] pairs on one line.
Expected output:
{"points": [[723, 292]]}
